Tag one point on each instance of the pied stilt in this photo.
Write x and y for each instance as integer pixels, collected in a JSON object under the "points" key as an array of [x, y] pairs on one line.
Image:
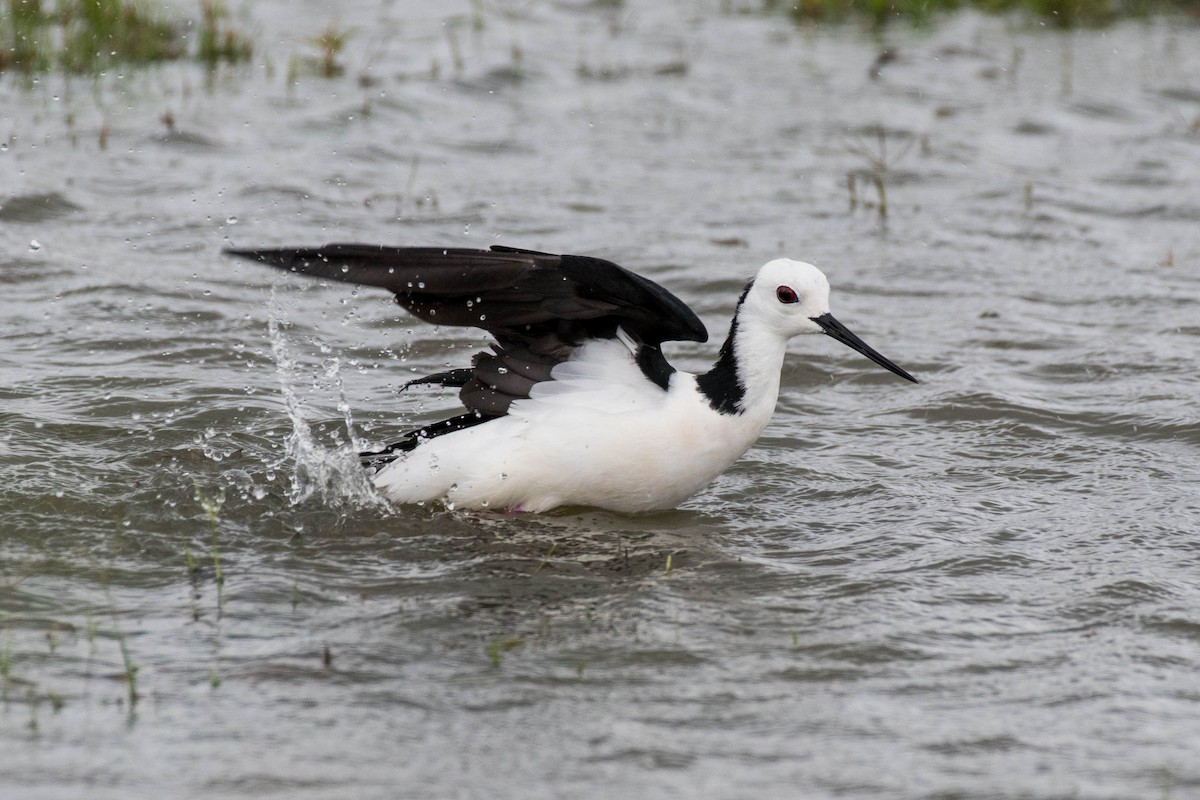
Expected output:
{"points": [[575, 404]]}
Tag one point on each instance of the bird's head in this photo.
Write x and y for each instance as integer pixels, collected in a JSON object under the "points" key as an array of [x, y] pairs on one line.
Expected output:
{"points": [[792, 297], [789, 296]]}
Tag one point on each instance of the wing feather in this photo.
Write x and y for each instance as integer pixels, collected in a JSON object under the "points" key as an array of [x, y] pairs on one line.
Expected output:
{"points": [[539, 306]]}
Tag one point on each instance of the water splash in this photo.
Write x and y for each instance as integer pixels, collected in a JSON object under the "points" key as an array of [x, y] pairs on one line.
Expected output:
{"points": [[331, 475]]}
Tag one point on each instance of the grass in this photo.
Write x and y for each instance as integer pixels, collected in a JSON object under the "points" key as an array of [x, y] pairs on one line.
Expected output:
{"points": [[498, 646], [131, 669], [218, 42], [1060, 13], [546, 560], [331, 43], [20, 21], [97, 33], [90, 36], [878, 163], [6, 664]]}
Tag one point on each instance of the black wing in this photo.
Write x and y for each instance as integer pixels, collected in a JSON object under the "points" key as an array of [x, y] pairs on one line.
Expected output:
{"points": [[538, 306]]}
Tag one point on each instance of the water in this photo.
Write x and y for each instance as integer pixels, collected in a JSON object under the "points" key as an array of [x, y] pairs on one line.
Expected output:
{"points": [[981, 586]]}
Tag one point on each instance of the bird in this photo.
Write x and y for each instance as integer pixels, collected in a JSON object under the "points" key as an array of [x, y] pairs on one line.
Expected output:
{"points": [[574, 403]]}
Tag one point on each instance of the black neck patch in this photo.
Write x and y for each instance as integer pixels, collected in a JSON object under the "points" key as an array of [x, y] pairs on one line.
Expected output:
{"points": [[722, 385], [654, 365]]}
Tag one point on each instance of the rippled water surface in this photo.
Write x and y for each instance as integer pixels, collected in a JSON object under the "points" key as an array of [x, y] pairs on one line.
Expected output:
{"points": [[985, 585]]}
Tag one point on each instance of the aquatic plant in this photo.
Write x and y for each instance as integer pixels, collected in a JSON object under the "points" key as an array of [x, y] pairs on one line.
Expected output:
{"points": [[120, 523], [1061, 13], [32, 700], [20, 22], [6, 664], [216, 41], [878, 163], [96, 33], [131, 669], [89, 36], [500, 645], [546, 560], [331, 42]]}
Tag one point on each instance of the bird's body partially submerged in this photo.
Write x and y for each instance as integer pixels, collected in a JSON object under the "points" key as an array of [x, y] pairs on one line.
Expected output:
{"points": [[576, 405], [582, 440]]}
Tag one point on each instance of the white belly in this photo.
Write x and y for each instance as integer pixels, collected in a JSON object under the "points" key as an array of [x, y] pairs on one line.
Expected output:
{"points": [[547, 455]]}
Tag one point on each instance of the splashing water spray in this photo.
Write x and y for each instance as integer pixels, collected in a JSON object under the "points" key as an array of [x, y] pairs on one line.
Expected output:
{"points": [[332, 475]]}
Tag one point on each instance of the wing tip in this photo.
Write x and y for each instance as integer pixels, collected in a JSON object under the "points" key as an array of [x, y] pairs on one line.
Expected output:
{"points": [[288, 258], [249, 254]]}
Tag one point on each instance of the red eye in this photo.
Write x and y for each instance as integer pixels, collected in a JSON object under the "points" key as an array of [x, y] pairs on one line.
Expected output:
{"points": [[787, 294]]}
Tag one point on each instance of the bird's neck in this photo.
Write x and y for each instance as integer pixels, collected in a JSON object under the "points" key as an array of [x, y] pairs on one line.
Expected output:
{"points": [[745, 379]]}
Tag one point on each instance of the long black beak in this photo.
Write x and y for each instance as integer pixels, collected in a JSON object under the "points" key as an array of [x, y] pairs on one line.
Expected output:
{"points": [[843, 334]]}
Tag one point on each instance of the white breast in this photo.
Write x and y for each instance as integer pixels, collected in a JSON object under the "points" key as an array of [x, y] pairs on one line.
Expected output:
{"points": [[599, 434]]}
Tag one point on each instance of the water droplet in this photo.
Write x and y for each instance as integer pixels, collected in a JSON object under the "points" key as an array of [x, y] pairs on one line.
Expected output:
{"points": [[35, 245], [231, 220], [420, 284]]}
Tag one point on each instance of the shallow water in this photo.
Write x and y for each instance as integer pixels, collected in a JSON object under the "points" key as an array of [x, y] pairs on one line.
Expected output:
{"points": [[982, 586]]}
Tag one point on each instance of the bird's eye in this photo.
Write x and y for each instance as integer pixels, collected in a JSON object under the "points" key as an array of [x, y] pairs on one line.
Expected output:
{"points": [[787, 294]]}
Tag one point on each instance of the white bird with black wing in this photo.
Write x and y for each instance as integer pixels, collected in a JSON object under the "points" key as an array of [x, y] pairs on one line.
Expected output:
{"points": [[575, 404]]}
